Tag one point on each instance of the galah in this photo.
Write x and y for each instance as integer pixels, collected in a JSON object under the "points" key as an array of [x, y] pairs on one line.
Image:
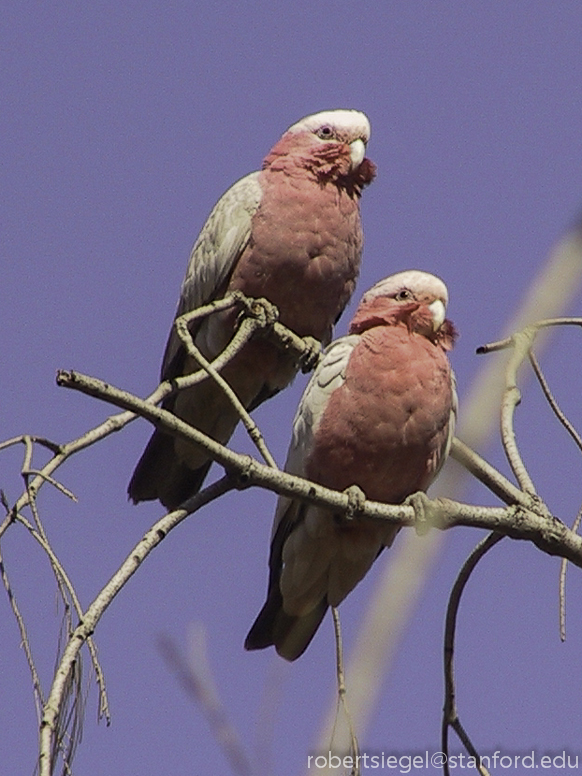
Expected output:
{"points": [[378, 413], [291, 233]]}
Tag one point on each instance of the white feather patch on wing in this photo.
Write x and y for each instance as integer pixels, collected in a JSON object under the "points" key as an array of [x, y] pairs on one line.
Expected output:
{"points": [[220, 243], [328, 376]]}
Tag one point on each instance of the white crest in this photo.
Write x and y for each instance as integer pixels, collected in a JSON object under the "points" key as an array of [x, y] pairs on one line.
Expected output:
{"points": [[412, 279], [352, 123]]}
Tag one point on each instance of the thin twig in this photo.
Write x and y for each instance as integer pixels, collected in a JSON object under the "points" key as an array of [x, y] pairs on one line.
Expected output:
{"points": [[52, 446], [342, 692], [578, 442], [521, 343], [263, 317], [63, 579], [36, 685], [450, 714], [488, 475], [552, 401], [508, 341], [51, 480], [562, 583], [63, 583], [511, 398], [250, 425], [235, 298], [96, 609]]}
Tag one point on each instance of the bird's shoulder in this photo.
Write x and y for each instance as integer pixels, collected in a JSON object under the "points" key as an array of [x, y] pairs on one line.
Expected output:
{"points": [[218, 247], [221, 241], [328, 376]]}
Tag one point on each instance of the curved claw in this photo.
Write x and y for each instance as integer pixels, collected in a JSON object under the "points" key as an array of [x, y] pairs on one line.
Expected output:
{"points": [[260, 309], [265, 311], [356, 501], [426, 511], [310, 358]]}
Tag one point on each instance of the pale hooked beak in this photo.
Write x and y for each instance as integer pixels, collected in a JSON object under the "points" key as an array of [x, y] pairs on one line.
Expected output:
{"points": [[357, 152], [438, 312]]}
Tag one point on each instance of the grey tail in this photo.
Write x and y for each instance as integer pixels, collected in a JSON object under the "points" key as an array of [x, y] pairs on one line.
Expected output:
{"points": [[159, 475], [290, 634]]}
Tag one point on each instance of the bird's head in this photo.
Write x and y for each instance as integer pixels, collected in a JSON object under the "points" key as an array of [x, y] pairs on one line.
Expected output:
{"points": [[415, 298], [337, 126], [332, 142]]}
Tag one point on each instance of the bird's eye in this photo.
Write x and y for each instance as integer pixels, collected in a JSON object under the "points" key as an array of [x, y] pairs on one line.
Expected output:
{"points": [[403, 295], [325, 132]]}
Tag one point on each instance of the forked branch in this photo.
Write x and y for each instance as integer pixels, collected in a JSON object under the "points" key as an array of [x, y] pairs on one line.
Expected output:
{"points": [[522, 345]]}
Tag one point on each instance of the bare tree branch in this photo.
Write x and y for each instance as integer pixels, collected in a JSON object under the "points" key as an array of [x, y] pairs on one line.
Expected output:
{"points": [[524, 516], [342, 691], [562, 583], [182, 328], [552, 401], [450, 713], [522, 343], [305, 350], [153, 537], [531, 522], [257, 316], [36, 685], [488, 475]]}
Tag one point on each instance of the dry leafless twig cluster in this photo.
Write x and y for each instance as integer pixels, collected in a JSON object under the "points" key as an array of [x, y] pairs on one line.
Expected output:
{"points": [[522, 515]]}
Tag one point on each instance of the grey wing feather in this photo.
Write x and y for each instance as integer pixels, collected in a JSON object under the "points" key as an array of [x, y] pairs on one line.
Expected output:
{"points": [[220, 243], [329, 375], [291, 634]]}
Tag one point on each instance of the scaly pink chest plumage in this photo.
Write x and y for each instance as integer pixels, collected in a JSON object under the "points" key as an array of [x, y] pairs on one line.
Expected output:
{"points": [[386, 427], [304, 251]]}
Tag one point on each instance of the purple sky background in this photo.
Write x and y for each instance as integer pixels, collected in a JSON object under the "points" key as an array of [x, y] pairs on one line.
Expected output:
{"points": [[121, 126]]}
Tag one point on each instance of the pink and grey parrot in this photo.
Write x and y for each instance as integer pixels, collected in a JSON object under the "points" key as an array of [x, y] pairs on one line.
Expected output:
{"points": [[379, 413], [291, 233]]}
